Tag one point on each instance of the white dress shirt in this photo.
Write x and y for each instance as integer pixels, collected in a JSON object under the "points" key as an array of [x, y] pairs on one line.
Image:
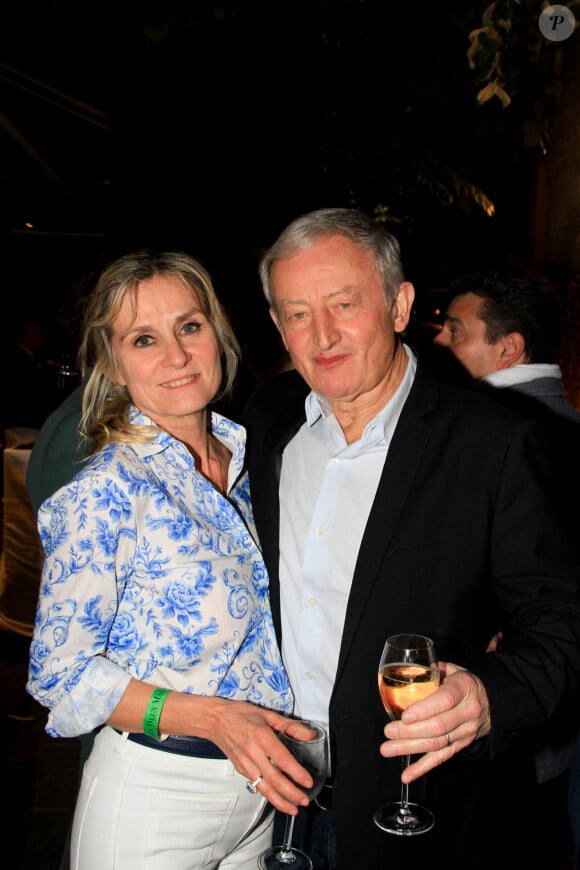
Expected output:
{"points": [[326, 492]]}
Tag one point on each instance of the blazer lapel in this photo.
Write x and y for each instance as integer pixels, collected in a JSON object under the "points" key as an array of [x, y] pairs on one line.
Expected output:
{"points": [[403, 459]]}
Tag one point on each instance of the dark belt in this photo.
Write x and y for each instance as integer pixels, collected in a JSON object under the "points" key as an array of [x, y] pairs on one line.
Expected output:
{"points": [[323, 799], [194, 747]]}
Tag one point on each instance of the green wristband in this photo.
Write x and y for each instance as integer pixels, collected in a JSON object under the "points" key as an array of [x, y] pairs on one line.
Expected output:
{"points": [[153, 712]]}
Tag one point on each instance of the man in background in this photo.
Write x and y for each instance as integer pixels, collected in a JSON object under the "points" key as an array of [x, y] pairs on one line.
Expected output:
{"points": [[505, 328]]}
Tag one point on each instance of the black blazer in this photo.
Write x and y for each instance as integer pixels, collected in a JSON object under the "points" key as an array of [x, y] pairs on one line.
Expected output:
{"points": [[464, 537]]}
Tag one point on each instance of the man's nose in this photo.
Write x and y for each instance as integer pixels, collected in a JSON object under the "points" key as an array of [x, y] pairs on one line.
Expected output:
{"points": [[325, 329]]}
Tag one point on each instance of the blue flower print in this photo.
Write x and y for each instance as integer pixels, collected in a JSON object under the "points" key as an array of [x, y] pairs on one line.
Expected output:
{"points": [[39, 652], [178, 528], [124, 633], [229, 686], [277, 679], [191, 646], [150, 561], [151, 573], [260, 581], [55, 627], [107, 538], [239, 601], [97, 622], [181, 598], [112, 499]]}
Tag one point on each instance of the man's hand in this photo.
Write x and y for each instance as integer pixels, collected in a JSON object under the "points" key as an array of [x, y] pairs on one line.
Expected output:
{"points": [[440, 725]]}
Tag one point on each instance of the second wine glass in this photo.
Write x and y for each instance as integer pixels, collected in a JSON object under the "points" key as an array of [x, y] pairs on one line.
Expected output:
{"points": [[408, 672], [313, 755]]}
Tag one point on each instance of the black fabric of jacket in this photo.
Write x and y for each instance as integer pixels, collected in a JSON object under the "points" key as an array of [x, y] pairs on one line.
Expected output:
{"points": [[465, 535]]}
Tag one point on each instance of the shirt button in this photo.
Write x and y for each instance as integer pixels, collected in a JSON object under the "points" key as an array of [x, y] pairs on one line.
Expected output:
{"points": [[319, 530], [309, 675], [312, 602]]}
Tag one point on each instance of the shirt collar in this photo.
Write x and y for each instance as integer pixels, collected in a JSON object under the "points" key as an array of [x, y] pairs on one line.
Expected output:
{"points": [[232, 434], [522, 373]]}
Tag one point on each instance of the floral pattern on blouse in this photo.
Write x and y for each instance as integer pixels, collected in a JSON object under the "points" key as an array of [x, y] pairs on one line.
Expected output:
{"points": [[151, 573]]}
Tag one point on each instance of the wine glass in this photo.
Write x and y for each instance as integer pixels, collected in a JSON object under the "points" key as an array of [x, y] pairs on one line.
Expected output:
{"points": [[313, 755], [408, 672]]}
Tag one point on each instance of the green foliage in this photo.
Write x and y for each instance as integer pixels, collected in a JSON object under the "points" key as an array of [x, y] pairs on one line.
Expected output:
{"points": [[511, 59], [373, 106]]}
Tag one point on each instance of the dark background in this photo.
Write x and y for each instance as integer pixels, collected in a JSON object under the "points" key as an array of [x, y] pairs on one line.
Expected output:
{"points": [[208, 126]]}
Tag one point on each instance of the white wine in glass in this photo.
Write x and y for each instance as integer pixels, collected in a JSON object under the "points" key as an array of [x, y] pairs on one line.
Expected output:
{"points": [[408, 672]]}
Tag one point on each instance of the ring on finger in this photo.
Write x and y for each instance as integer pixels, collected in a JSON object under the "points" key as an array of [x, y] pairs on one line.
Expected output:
{"points": [[252, 787], [448, 738]]}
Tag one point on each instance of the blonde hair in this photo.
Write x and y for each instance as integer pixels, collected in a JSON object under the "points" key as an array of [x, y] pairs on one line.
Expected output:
{"points": [[106, 404]]}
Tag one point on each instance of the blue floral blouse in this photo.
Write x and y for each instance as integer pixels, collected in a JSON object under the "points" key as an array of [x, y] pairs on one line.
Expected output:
{"points": [[151, 573]]}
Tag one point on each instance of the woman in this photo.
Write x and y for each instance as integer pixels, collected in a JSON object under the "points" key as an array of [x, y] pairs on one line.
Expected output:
{"points": [[153, 616]]}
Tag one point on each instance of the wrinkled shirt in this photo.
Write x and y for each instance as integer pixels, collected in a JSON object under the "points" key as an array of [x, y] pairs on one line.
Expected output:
{"points": [[151, 573]]}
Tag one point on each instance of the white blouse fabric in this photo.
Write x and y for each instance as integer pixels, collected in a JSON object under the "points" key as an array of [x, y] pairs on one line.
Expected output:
{"points": [[151, 573]]}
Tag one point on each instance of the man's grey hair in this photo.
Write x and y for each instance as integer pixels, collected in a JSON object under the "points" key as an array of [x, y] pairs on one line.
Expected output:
{"points": [[307, 229]]}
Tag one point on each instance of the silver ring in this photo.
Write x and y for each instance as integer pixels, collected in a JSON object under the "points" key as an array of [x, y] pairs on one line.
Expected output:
{"points": [[448, 738], [252, 787]]}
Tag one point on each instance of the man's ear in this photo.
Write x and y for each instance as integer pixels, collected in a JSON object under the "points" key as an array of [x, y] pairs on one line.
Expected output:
{"points": [[274, 317], [402, 306], [513, 350]]}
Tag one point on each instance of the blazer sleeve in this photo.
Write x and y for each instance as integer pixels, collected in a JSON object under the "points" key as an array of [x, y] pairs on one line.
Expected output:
{"points": [[535, 574]]}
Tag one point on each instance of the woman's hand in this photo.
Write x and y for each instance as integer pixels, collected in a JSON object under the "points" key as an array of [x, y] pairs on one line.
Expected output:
{"points": [[245, 732], [247, 735]]}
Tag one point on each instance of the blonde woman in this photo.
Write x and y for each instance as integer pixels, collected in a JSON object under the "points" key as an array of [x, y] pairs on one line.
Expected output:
{"points": [[153, 617]]}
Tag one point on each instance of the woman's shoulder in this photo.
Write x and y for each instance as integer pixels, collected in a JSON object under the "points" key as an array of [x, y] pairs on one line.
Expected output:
{"points": [[109, 462]]}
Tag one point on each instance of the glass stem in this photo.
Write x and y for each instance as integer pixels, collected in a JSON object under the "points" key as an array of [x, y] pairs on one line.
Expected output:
{"points": [[285, 854], [405, 787]]}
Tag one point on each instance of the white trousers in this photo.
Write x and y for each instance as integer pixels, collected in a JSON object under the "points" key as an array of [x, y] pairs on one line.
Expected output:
{"points": [[144, 809]]}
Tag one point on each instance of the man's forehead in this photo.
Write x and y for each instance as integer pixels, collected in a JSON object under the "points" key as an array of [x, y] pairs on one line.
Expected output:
{"points": [[464, 303]]}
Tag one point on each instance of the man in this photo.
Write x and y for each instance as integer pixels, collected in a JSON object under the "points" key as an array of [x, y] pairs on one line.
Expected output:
{"points": [[504, 327], [389, 502]]}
